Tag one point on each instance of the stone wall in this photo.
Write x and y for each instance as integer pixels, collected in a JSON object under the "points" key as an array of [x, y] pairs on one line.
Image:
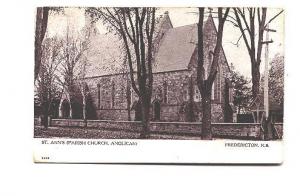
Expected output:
{"points": [[237, 130], [119, 125], [105, 124], [67, 123], [220, 130]]}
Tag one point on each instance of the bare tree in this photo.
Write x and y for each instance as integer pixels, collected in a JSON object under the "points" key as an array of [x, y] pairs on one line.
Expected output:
{"points": [[246, 20], [205, 85], [47, 84], [83, 88], [73, 68], [126, 85], [42, 15], [40, 31], [135, 26]]}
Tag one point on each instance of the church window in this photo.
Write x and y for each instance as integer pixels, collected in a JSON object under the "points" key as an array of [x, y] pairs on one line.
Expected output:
{"points": [[213, 91], [112, 95], [165, 92], [99, 95], [197, 95], [185, 95], [210, 58], [131, 96]]}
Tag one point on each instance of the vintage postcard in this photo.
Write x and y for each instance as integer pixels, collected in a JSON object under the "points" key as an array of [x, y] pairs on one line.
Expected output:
{"points": [[159, 85]]}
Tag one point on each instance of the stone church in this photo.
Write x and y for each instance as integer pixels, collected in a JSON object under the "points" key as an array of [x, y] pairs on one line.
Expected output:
{"points": [[175, 96]]}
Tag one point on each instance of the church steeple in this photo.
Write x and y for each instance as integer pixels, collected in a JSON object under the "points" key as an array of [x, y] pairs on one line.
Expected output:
{"points": [[166, 21]]}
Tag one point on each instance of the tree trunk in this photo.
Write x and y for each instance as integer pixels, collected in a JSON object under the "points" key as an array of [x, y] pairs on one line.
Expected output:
{"points": [[40, 31], [145, 120], [269, 130], [84, 112], [128, 99], [128, 114], [45, 114], [255, 80], [191, 114], [206, 119]]}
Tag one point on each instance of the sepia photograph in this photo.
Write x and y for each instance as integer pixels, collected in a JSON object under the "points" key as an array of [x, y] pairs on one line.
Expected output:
{"points": [[163, 97], [148, 79], [159, 73]]}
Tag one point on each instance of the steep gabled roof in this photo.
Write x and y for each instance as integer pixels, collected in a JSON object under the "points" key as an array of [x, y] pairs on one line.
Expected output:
{"points": [[176, 49], [105, 55], [174, 52]]}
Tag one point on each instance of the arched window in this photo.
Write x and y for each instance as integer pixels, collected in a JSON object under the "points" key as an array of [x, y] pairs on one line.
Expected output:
{"points": [[213, 91], [99, 95], [128, 93], [165, 92], [113, 94], [218, 85], [210, 59], [185, 95], [131, 95], [205, 73], [197, 95]]}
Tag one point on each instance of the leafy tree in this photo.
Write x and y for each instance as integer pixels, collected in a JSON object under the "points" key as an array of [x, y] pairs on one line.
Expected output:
{"points": [[241, 91], [47, 82], [42, 15], [276, 79], [73, 67]]}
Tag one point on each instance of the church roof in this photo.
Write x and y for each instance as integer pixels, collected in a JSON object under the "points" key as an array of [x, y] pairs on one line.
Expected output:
{"points": [[176, 49], [174, 52], [105, 55]]}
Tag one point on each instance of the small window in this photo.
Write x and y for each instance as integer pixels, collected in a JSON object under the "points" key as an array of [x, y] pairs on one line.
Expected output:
{"points": [[185, 95], [197, 95], [210, 57], [99, 95], [230, 95], [112, 95], [128, 93], [131, 95], [213, 91], [165, 94], [218, 92]]}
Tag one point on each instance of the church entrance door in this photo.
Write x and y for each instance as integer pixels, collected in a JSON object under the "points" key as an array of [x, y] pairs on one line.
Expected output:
{"points": [[65, 109]]}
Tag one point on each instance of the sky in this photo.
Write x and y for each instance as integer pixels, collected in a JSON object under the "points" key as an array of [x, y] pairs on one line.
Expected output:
{"points": [[237, 56]]}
